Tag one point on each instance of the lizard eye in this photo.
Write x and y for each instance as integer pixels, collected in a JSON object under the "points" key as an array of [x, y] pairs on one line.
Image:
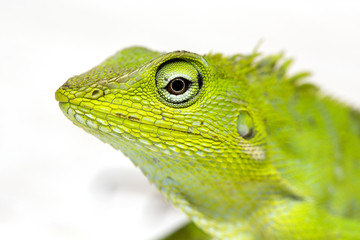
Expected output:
{"points": [[178, 82]]}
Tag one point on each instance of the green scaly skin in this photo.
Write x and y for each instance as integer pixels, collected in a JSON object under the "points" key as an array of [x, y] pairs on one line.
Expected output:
{"points": [[244, 149]]}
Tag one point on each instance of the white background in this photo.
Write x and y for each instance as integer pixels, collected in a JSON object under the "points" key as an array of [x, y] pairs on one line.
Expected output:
{"points": [[56, 181]]}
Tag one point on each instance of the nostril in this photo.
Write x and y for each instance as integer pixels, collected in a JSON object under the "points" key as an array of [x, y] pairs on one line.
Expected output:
{"points": [[96, 93]]}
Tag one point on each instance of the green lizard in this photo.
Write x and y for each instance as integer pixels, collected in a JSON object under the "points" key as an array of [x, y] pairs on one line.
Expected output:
{"points": [[246, 150]]}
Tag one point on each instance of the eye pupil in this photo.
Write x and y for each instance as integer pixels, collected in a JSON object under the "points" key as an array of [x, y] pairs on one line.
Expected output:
{"points": [[177, 86]]}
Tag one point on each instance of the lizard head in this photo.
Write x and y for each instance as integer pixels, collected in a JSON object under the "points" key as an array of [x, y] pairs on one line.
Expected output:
{"points": [[186, 120]]}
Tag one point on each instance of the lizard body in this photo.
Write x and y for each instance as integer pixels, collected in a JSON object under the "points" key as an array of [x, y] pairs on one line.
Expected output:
{"points": [[244, 149]]}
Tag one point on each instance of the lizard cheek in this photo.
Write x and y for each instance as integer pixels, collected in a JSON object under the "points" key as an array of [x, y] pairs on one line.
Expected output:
{"points": [[245, 125]]}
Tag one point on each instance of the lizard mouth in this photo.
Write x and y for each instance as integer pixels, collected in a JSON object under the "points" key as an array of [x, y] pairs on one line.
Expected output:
{"points": [[60, 97], [123, 123]]}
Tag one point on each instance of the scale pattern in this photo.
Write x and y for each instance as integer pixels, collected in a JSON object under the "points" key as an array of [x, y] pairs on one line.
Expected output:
{"points": [[255, 154]]}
